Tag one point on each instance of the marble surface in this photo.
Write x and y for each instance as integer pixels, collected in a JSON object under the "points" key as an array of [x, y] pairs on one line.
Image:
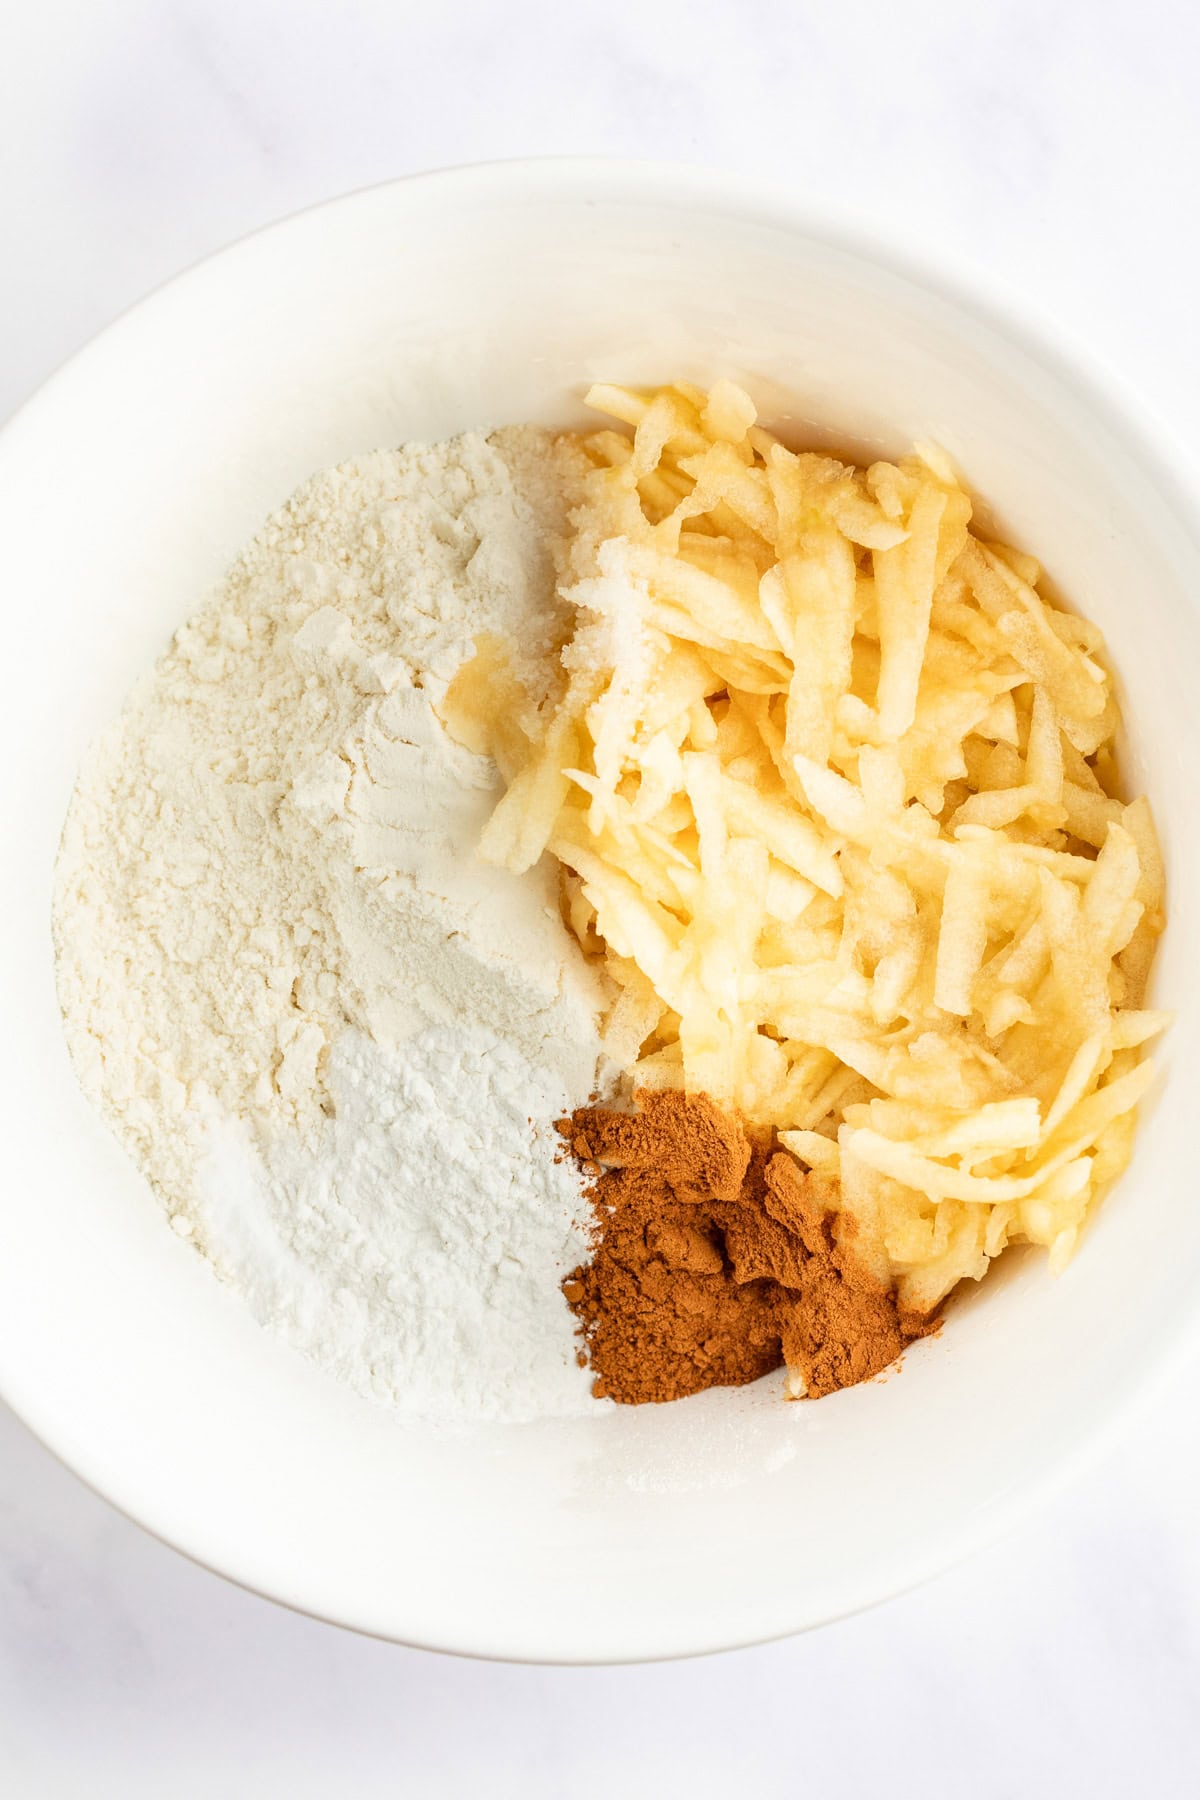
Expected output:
{"points": [[1056, 146]]}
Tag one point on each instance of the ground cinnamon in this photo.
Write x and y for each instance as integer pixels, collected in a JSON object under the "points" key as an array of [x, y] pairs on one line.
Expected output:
{"points": [[715, 1261]]}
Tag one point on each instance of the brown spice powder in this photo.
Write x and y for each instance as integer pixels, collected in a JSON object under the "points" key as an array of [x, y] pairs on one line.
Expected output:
{"points": [[714, 1261]]}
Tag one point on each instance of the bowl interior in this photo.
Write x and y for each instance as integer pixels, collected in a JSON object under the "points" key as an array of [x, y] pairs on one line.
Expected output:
{"points": [[417, 310]]}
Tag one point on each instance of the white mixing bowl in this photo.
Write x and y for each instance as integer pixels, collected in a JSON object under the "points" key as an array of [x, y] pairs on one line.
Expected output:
{"points": [[414, 310]]}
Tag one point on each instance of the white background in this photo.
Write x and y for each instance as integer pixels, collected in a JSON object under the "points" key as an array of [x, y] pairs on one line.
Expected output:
{"points": [[1053, 142]]}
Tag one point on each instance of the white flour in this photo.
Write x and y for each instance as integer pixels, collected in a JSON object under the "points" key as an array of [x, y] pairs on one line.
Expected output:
{"points": [[318, 1023]]}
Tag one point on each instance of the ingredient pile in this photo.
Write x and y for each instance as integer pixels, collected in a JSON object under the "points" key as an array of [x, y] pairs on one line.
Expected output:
{"points": [[580, 919]]}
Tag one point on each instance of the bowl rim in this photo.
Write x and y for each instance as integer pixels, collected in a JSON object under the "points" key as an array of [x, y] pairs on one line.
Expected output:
{"points": [[1050, 347]]}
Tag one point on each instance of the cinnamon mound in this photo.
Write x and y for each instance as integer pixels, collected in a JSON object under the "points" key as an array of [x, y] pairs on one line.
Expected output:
{"points": [[715, 1261]]}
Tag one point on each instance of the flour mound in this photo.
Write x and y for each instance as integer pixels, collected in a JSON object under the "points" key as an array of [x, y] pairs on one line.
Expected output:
{"points": [[274, 846]]}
